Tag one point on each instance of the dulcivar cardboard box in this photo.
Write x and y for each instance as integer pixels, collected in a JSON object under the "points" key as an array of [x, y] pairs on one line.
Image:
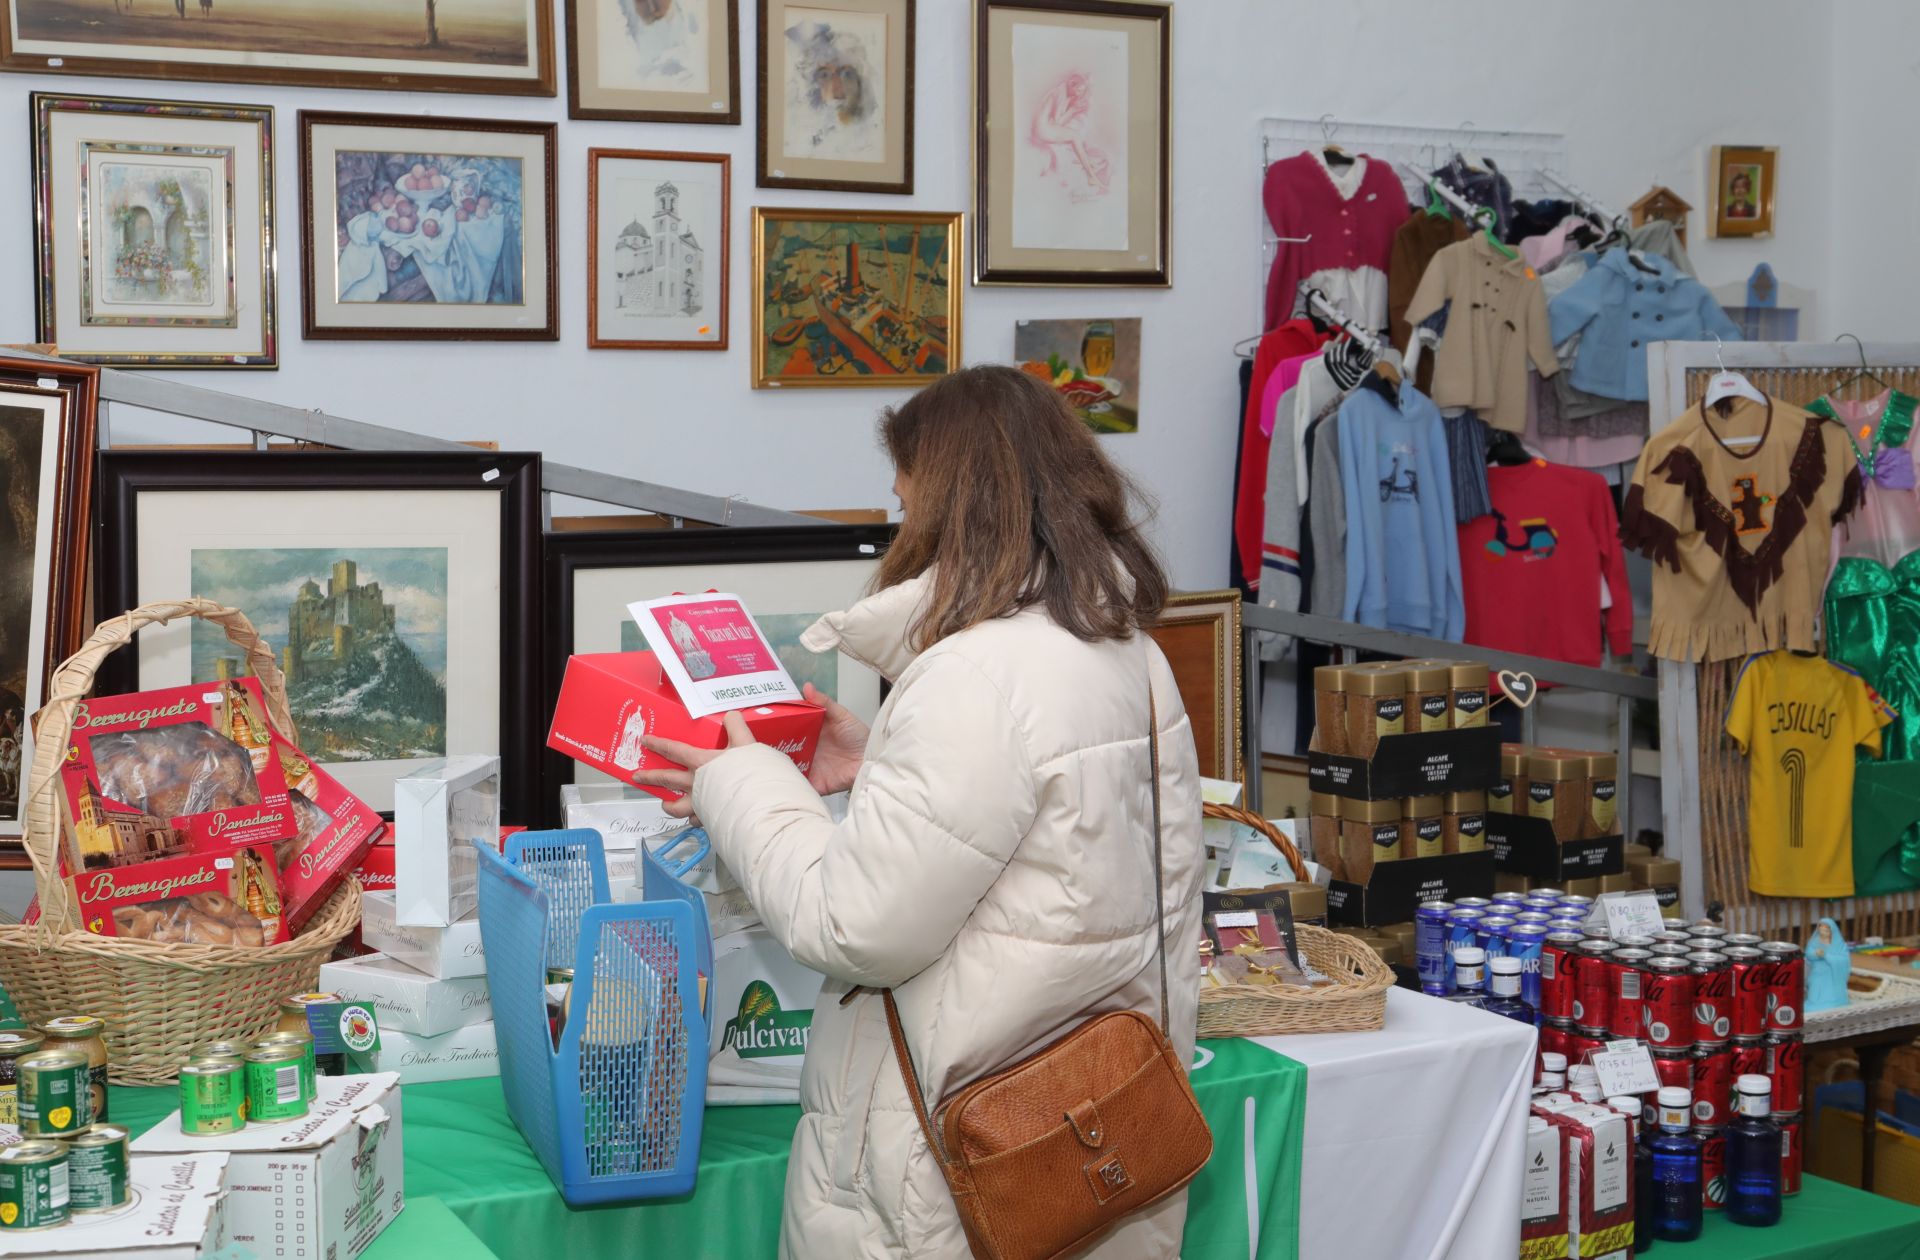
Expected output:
{"points": [[179, 1211]]}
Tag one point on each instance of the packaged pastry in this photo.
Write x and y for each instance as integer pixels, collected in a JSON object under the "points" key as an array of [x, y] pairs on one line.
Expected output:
{"points": [[1376, 706], [335, 831], [1468, 688], [1330, 708], [1429, 684], [230, 898]]}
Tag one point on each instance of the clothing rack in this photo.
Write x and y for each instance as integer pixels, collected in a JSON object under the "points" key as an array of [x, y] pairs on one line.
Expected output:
{"points": [[1331, 312], [1580, 196], [1454, 199]]}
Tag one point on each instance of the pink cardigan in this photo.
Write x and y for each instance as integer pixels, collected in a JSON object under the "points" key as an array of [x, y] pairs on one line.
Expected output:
{"points": [[1348, 235]]}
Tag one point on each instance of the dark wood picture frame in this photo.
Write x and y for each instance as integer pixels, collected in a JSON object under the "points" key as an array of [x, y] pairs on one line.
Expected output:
{"points": [[1199, 631], [127, 474], [725, 253], [570, 552], [549, 133], [729, 118], [763, 170]]}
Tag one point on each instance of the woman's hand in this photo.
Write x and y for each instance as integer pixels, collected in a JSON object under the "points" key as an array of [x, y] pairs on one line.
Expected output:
{"points": [[843, 745], [681, 781]]}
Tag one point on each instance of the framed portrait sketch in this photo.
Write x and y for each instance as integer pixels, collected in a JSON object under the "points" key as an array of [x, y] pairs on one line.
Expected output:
{"points": [[501, 47], [1742, 179], [854, 298], [427, 229], [654, 60], [836, 95], [658, 240], [396, 589], [1072, 152], [787, 577], [1200, 635], [154, 230]]}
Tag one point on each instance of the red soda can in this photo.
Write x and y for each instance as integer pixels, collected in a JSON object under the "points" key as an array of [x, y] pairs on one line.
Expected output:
{"points": [[1555, 1034], [1670, 936], [1593, 985], [1559, 956], [1712, 1085], [1749, 1057], [1712, 997], [1750, 981], [1787, 1068], [1582, 1042], [1786, 985], [1674, 1068], [1713, 1165], [1626, 1016], [1792, 1150], [1706, 931], [1666, 991]]}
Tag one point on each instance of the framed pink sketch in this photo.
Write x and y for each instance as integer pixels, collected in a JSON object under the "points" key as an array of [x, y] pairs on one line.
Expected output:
{"points": [[1072, 159]]}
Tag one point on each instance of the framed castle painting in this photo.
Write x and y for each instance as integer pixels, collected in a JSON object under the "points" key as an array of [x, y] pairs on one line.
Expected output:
{"points": [[836, 95], [391, 586], [674, 61], [154, 227], [658, 240]]}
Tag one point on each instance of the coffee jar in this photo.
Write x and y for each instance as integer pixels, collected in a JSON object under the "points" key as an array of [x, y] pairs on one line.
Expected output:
{"points": [[1376, 707], [1423, 831], [1464, 822], [1508, 795], [1323, 827], [1557, 791], [1429, 692], [1370, 832], [1467, 693], [1330, 708], [1603, 785]]}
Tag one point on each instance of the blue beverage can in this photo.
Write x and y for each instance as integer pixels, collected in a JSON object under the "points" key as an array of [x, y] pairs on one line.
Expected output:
{"points": [[1435, 990], [1460, 934], [1579, 903], [1472, 903], [1546, 905], [1430, 944], [1492, 931], [1526, 941], [1511, 900], [1555, 893], [1533, 916]]}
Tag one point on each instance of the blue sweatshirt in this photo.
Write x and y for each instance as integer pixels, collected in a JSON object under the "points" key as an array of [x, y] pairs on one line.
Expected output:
{"points": [[1403, 555]]}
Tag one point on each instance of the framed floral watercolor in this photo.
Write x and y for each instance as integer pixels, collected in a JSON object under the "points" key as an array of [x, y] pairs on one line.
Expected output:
{"points": [[654, 60], [1072, 151], [392, 586], [855, 298], [659, 232], [1743, 177], [499, 47], [836, 95], [427, 229], [154, 230]]}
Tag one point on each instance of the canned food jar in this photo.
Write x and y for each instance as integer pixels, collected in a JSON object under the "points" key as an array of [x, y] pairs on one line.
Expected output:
{"points": [[1712, 997], [1786, 985], [213, 1096], [294, 1018], [87, 1035], [1559, 956], [97, 1169], [55, 1095], [222, 1050], [304, 1044], [1750, 971], [1712, 1085], [33, 1186], [1786, 1068], [1792, 1150], [13, 1047], [276, 1085], [1593, 985], [1666, 991]]}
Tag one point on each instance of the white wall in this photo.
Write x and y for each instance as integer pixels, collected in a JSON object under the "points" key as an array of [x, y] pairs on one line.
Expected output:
{"points": [[1876, 188]]}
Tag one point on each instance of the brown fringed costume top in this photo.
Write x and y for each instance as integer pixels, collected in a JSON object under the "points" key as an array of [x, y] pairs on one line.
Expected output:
{"points": [[1739, 534]]}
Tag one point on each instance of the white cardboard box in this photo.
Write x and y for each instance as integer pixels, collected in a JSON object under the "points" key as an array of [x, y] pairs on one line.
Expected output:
{"points": [[323, 1185], [762, 1003], [177, 1210], [406, 1000], [448, 953], [438, 812], [460, 1055], [623, 816]]}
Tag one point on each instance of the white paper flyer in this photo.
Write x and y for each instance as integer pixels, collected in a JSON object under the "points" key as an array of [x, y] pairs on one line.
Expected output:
{"points": [[713, 652]]}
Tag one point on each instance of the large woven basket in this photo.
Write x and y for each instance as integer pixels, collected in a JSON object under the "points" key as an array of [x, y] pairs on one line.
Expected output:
{"points": [[1356, 1001], [159, 1001]]}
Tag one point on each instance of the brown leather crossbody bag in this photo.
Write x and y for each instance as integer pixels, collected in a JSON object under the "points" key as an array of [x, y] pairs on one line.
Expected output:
{"points": [[1046, 1155]]}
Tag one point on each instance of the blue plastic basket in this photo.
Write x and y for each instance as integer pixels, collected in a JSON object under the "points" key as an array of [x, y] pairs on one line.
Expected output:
{"points": [[614, 1111]]}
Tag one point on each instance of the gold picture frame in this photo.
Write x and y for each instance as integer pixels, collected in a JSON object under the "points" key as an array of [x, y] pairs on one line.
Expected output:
{"points": [[1740, 190], [1200, 634], [895, 326]]}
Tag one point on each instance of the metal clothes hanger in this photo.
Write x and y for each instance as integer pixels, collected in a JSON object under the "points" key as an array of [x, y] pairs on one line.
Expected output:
{"points": [[1863, 372]]}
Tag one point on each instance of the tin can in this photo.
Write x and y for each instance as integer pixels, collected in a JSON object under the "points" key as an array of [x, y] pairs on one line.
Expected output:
{"points": [[1632, 941], [1473, 903], [213, 1096], [1555, 893], [1539, 904], [1512, 900], [304, 1044], [1666, 990], [1430, 945], [1750, 979], [1598, 932], [1593, 984], [1670, 936], [1579, 903], [1539, 918], [1626, 1010], [294, 1018], [1705, 929], [1713, 1165], [1712, 1085], [86, 1034], [276, 1085], [1527, 943], [1491, 932], [55, 1095], [1786, 985], [97, 1169], [1674, 1067], [1560, 923], [222, 1050], [1582, 1042], [33, 1186], [1792, 1150], [1460, 933], [1742, 938], [1787, 1069], [1749, 1057], [1559, 956], [1663, 949], [1712, 997], [1555, 1037], [13, 1047]]}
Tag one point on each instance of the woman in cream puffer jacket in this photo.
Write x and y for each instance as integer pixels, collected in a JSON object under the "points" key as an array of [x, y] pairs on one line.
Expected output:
{"points": [[995, 867]]}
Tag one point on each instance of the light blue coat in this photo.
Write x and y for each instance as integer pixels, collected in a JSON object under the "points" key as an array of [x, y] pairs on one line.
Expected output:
{"points": [[1619, 309]]}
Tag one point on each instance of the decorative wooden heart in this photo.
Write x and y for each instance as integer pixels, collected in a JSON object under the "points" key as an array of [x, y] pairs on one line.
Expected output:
{"points": [[1519, 688]]}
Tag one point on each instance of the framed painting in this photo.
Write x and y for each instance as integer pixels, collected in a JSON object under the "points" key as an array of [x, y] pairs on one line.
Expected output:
{"points": [[500, 47], [659, 233], [427, 229], [1200, 635], [853, 298], [154, 231], [654, 60], [1072, 149], [396, 589], [1093, 363], [787, 578], [836, 95], [1742, 178]]}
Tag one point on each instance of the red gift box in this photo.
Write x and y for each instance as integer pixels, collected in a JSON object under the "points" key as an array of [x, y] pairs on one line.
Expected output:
{"points": [[205, 898], [376, 866], [336, 828], [609, 700]]}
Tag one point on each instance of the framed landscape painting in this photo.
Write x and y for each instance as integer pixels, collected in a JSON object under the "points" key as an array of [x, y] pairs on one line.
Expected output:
{"points": [[658, 240], [836, 95], [850, 298], [501, 47], [154, 231], [430, 229], [1072, 152], [654, 60]]}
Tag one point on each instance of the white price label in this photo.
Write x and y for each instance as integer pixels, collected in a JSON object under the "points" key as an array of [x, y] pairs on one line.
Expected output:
{"points": [[1625, 1067], [1629, 914], [1243, 918]]}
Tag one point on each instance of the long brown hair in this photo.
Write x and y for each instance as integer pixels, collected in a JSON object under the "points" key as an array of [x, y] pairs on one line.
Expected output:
{"points": [[1014, 505]]}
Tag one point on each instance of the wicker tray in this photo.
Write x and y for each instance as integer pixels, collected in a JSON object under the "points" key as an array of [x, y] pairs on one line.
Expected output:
{"points": [[1889, 1002], [1355, 1002], [159, 1001]]}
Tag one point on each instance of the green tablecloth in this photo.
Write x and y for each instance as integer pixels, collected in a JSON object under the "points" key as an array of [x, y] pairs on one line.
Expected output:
{"points": [[1825, 1221]]}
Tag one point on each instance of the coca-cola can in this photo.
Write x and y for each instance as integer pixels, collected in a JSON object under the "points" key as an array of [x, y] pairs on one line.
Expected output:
{"points": [[1666, 991], [1792, 1150], [1633, 942], [1674, 1068], [1705, 931], [1750, 982], [1626, 1017], [1671, 936], [1742, 938], [1712, 997], [1559, 956], [1786, 985], [1664, 950], [1749, 1057], [1582, 1042], [1593, 985], [1787, 1069], [1555, 1034], [1712, 1084], [1713, 1165]]}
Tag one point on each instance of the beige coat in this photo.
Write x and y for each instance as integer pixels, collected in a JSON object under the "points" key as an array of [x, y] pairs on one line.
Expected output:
{"points": [[995, 868], [1498, 320]]}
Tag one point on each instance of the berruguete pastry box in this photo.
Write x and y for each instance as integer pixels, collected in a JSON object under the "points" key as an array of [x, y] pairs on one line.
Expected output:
{"points": [[335, 829], [230, 897]]}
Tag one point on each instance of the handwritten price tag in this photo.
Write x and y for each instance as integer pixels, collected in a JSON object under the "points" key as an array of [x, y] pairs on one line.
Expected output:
{"points": [[1625, 1067], [1630, 914]]}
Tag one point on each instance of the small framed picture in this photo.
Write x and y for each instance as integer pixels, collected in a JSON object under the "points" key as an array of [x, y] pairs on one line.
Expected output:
{"points": [[422, 229], [154, 222], [1093, 363], [654, 60], [1742, 190], [1072, 157], [658, 240], [836, 95], [1200, 634]]}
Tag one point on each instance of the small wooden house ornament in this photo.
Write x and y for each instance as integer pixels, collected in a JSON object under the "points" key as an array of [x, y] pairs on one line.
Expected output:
{"points": [[1661, 202]]}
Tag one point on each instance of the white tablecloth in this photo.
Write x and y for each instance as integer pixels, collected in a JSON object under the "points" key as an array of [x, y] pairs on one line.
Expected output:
{"points": [[1415, 1133]]}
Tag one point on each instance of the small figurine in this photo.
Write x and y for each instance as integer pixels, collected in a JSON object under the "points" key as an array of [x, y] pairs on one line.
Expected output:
{"points": [[1828, 962]]}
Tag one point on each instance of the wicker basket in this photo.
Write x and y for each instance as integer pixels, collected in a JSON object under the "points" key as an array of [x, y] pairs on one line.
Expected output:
{"points": [[159, 1001], [1355, 1002]]}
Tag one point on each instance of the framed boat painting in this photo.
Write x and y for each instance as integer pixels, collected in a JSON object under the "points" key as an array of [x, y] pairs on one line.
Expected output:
{"points": [[1072, 151], [836, 95], [154, 230], [424, 229], [855, 298], [393, 586], [500, 47], [659, 234], [674, 61]]}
